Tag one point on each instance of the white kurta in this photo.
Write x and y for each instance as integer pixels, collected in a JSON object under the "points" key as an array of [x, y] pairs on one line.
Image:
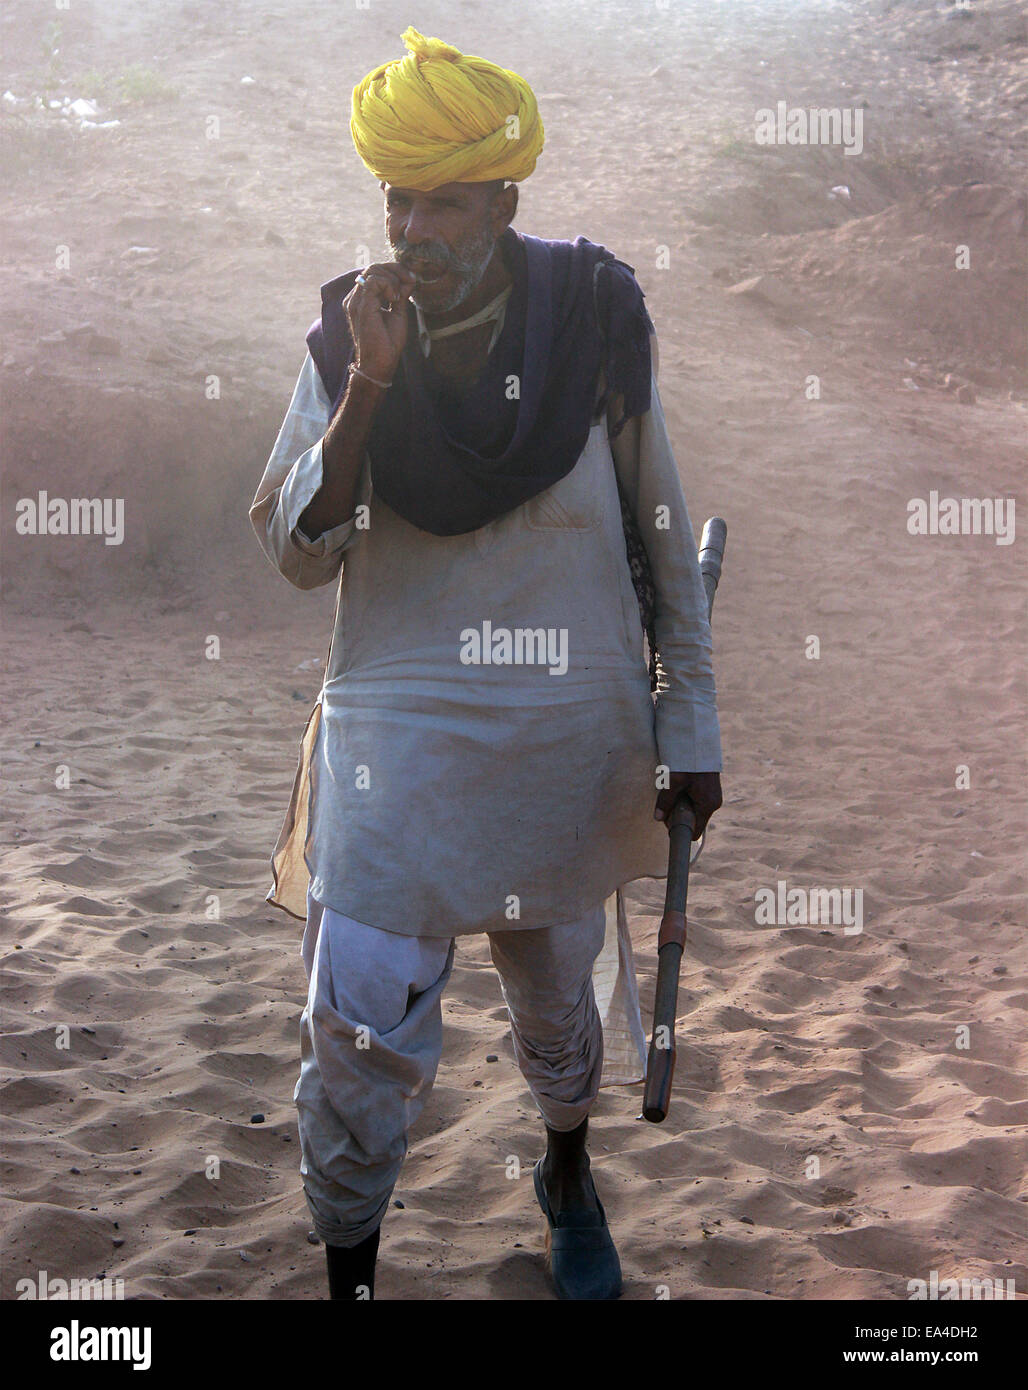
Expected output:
{"points": [[438, 795]]}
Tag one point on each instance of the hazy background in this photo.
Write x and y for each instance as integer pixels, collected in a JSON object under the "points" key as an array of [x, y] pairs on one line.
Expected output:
{"points": [[146, 781]]}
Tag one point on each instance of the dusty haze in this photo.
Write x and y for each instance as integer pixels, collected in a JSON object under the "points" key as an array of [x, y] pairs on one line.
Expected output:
{"points": [[190, 258]]}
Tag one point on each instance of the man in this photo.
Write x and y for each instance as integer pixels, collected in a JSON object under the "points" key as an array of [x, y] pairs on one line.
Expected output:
{"points": [[485, 748]]}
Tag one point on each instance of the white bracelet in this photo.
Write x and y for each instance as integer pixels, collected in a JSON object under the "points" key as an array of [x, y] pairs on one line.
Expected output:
{"points": [[385, 385]]}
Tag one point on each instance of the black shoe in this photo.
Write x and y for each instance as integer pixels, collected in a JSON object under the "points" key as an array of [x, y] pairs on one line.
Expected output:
{"points": [[351, 1271], [583, 1262]]}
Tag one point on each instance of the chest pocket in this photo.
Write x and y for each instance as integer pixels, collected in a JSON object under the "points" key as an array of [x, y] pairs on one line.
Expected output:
{"points": [[576, 502]]}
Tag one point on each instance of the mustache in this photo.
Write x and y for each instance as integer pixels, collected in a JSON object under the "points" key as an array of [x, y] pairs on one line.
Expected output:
{"points": [[435, 253]]}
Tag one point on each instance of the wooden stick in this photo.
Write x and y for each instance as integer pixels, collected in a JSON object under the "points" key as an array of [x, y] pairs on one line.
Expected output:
{"points": [[660, 1064]]}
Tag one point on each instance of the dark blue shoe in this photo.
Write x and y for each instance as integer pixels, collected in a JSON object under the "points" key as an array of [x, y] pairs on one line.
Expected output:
{"points": [[582, 1260]]}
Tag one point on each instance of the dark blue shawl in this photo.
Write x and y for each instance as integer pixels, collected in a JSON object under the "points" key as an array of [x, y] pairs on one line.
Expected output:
{"points": [[576, 333]]}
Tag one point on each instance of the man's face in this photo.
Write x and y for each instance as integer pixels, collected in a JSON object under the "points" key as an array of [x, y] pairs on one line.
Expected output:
{"points": [[446, 237]]}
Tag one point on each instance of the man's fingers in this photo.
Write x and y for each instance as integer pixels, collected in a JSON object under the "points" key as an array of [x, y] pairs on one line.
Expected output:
{"points": [[701, 814], [704, 807], [702, 790], [376, 293], [665, 801], [386, 283], [401, 273]]}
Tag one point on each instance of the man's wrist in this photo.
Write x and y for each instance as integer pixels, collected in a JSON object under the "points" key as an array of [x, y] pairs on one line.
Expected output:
{"points": [[378, 381]]}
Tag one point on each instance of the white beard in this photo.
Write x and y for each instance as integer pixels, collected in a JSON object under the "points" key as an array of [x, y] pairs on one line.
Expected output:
{"points": [[476, 257]]}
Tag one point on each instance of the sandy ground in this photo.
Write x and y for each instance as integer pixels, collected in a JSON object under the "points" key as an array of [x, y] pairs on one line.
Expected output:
{"points": [[190, 258]]}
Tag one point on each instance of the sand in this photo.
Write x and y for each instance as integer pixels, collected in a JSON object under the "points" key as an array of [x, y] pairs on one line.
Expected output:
{"points": [[849, 1112]]}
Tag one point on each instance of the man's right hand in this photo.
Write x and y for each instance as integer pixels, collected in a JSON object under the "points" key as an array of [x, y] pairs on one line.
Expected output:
{"points": [[377, 311]]}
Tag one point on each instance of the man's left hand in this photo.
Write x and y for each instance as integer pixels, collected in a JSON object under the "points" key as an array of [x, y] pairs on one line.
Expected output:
{"points": [[702, 790]]}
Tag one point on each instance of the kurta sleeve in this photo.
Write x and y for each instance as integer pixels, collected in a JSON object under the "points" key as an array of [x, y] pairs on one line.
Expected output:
{"points": [[291, 480], [687, 728]]}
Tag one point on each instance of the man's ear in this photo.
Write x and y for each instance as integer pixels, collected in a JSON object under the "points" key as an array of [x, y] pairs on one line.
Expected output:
{"points": [[504, 206]]}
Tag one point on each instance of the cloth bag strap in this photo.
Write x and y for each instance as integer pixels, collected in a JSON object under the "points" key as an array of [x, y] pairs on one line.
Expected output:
{"points": [[635, 548]]}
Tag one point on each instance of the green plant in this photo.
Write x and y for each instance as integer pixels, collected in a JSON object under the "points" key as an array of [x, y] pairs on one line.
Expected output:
{"points": [[139, 84]]}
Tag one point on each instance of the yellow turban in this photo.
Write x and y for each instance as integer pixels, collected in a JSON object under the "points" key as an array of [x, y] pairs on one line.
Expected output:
{"points": [[439, 116]]}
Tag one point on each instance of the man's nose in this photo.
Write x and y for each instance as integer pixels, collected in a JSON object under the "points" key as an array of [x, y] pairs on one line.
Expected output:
{"points": [[418, 228]]}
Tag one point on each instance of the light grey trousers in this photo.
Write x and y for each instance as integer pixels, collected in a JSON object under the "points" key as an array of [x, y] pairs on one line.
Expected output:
{"points": [[371, 1037]]}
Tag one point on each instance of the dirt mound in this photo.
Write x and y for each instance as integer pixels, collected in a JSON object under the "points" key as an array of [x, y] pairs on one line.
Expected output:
{"points": [[180, 477], [985, 25], [937, 277]]}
